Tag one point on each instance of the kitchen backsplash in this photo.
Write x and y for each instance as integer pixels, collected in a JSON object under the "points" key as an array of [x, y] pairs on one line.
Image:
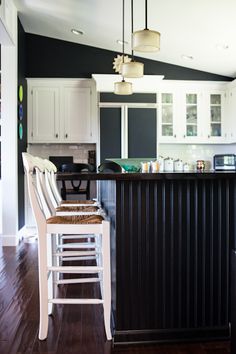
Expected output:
{"points": [[192, 153], [78, 151]]}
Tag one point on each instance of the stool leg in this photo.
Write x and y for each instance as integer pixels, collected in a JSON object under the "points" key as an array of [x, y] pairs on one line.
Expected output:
{"points": [[50, 277], [106, 278], [43, 284]]}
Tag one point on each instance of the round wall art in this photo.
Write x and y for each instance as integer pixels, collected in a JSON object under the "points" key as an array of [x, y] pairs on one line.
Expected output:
{"points": [[20, 93], [20, 111], [20, 130]]}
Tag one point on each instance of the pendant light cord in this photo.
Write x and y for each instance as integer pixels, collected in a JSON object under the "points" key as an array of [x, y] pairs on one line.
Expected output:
{"points": [[132, 27], [123, 30], [123, 35], [146, 14]]}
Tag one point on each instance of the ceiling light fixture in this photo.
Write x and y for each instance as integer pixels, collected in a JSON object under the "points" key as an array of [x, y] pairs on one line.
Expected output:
{"points": [[222, 46], [146, 40], [187, 57], [119, 41], [77, 32], [133, 69], [123, 87]]}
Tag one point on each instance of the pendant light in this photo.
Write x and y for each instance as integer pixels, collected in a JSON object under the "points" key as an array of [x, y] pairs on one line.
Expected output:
{"points": [[132, 69], [123, 87], [146, 40]]}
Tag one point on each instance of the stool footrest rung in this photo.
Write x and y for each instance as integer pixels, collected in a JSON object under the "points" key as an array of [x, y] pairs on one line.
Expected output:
{"points": [[76, 269], [76, 301], [78, 281]]}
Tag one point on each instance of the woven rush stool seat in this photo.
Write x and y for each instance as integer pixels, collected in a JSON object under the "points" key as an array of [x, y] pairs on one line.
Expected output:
{"points": [[87, 209], [78, 202], [75, 219]]}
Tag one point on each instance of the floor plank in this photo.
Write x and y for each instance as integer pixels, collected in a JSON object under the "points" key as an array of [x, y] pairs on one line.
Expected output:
{"points": [[72, 329]]}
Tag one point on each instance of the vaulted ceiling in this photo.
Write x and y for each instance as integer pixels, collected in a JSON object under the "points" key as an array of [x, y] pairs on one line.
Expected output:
{"points": [[198, 34]]}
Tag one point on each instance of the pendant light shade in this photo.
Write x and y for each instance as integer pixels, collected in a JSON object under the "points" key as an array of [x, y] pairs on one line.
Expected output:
{"points": [[146, 40], [133, 69], [123, 88]]}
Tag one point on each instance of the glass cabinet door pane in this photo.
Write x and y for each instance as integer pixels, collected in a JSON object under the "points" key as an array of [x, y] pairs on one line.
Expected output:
{"points": [[191, 98], [167, 98], [167, 114], [215, 99], [167, 130], [216, 113], [191, 130], [191, 114], [215, 129]]}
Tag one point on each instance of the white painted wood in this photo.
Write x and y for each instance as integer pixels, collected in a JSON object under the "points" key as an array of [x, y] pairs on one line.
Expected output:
{"points": [[77, 302], [77, 114], [7, 23], [9, 133], [49, 242], [44, 113], [62, 111]]}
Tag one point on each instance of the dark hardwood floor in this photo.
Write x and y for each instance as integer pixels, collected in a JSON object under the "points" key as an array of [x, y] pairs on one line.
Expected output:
{"points": [[73, 329]]}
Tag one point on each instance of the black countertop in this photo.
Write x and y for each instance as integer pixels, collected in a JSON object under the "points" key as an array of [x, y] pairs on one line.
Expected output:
{"points": [[146, 176]]}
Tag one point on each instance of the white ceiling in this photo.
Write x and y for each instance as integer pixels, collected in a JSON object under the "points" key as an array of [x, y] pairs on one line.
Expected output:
{"points": [[188, 27]]}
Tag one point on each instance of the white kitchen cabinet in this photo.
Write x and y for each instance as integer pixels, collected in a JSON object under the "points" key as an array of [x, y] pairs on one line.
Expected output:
{"points": [[231, 113], [61, 111], [216, 118], [167, 112], [193, 114], [44, 114], [77, 114]]}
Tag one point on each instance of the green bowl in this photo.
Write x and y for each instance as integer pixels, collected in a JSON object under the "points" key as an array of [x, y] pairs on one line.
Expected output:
{"points": [[131, 165]]}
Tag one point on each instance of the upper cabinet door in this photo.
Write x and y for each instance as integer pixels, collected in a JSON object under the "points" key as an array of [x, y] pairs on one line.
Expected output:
{"points": [[216, 117], [167, 112], [45, 114], [77, 114]]}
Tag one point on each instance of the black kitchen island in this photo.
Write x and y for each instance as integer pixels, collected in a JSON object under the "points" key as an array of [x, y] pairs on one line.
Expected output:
{"points": [[171, 238]]}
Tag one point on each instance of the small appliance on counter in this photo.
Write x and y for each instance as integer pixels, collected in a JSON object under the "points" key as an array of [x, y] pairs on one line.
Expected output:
{"points": [[225, 162]]}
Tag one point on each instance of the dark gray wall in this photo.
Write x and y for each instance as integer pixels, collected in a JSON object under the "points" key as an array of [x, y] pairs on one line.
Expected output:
{"points": [[47, 57], [22, 144]]}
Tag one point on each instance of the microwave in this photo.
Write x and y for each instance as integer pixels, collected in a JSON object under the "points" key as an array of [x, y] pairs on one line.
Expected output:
{"points": [[225, 162]]}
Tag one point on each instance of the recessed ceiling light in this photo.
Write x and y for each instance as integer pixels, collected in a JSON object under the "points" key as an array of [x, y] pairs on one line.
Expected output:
{"points": [[222, 46], [77, 32], [119, 41], [187, 57]]}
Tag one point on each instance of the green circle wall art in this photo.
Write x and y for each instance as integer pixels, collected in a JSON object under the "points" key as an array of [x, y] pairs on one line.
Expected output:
{"points": [[20, 93], [20, 131]]}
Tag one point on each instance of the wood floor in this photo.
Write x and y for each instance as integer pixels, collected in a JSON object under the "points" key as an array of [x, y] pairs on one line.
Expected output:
{"points": [[73, 329]]}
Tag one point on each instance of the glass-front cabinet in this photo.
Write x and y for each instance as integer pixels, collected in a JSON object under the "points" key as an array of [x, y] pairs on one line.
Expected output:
{"points": [[215, 111], [167, 113], [191, 105], [192, 115]]}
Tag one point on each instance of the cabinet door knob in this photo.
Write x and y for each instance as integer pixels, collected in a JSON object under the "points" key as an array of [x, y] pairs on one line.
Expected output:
{"points": [[66, 136], [175, 135], [56, 135], [184, 136], [208, 136]]}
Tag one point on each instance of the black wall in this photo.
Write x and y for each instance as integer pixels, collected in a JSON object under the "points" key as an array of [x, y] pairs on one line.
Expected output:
{"points": [[47, 57], [22, 144]]}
